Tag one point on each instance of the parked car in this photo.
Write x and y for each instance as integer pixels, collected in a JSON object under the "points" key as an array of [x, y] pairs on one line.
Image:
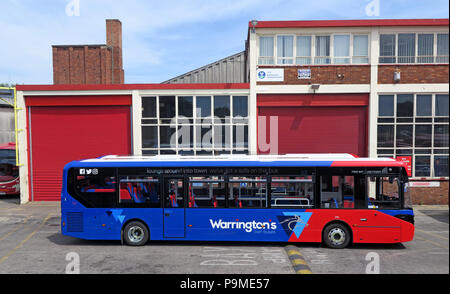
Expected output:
{"points": [[9, 172]]}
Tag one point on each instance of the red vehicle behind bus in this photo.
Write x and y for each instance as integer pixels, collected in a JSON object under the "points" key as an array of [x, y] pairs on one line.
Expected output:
{"points": [[9, 172]]}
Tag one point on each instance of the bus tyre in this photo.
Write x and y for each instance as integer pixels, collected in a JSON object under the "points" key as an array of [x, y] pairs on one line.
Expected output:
{"points": [[135, 233], [336, 236]]}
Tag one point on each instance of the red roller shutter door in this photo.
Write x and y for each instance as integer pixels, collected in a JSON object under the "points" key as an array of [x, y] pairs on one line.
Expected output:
{"points": [[340, 129], [61, 134]]}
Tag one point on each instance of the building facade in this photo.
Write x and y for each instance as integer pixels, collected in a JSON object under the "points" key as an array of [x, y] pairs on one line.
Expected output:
{"points": [[91, 64], [375, 88]]}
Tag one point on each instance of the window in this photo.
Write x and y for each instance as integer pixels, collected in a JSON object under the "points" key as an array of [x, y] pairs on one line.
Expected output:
{"points": [[337, 192], [360, 49], [303, 50], [406, 48], [386, 194], [206, 192], [217, 125], [341, 49], [425, 48], [387, 49], [139, 190], [415, 125], [285, 49], [442, 48], [292, 192], [414, 48], [314, 49], [247, 192], [322, 50], [266, 50], [93, 187]]}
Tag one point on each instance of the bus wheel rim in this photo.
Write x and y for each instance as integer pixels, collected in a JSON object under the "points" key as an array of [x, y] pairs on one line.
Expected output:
{"points": [[336, 236], [135, 234]]}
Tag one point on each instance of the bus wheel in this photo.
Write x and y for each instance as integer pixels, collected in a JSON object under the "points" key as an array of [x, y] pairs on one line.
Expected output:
{"points": [[336, 236], [135, 233]]}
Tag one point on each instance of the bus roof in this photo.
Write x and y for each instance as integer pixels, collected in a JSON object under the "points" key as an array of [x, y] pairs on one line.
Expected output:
{"points": [[287, 160]]}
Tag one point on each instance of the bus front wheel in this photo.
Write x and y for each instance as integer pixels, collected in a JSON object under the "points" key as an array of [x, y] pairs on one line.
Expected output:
{"points": [[336, 236], [135, 233]]}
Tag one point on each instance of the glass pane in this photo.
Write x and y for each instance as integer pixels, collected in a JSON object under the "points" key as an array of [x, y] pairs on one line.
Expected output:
{"points": [[322, 50], [404, 135], [206, 192], [140, 190], [185, 136], [149, 137], [203, 137], [203, 107], [240, 137], [185, 106], [385, 136], [387, 48], [222, 136], [148, 106], [425, 48], [166, 106], [361, 45], [441, 166], [240, 106], [247, 192], [222, 106], [406, 48], [441, 105], [441, 136], [341, 48], [285, 46], [266, 46], [423, 105], [422, 166], [166, 133], [386, 105], [303, 46], [442, 48], [405, 105], [423, 135]]}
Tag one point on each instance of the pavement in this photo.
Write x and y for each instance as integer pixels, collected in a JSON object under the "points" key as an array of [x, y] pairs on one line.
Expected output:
{"points": [[31, 242]]}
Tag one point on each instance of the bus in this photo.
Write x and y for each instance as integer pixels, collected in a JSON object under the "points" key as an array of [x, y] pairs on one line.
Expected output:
{"points": [[336, 199], [9, 172]]}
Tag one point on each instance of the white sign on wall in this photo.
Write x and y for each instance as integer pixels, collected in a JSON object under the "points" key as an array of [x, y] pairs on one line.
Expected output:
{"points": [[270, 75]]}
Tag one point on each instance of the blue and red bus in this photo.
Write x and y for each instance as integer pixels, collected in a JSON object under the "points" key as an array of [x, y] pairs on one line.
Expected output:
{"points": [[9, 172], [336, 199]]}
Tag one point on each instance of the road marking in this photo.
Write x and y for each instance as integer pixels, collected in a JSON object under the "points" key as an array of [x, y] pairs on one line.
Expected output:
{"points": [[298, 261], [25, 240], [15, 230], [431, 234], [431, 242]]}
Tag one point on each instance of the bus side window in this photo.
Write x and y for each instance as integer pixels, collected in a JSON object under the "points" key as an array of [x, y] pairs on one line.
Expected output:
{"points": [[206, 192], [383, 192], [247, 192], [95, 187], [337, 191], [139, 191]]}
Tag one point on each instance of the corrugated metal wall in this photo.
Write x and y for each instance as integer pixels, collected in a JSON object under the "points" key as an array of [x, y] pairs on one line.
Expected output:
{"points": [[228, 70], [6, 124]]}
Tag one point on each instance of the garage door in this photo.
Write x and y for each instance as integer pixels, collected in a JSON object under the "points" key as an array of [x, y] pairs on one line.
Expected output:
{"points": [[59, 135], [318, 129]]}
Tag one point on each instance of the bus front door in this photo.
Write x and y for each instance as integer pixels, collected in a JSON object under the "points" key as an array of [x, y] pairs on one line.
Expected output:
{"points": [[174, 219]]}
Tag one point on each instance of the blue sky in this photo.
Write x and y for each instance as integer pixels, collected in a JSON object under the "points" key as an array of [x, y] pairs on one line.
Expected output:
{"points": [[163, 39]]}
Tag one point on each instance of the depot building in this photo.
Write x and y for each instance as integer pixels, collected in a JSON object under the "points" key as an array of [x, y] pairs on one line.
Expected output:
{"points": [[375, 88]]}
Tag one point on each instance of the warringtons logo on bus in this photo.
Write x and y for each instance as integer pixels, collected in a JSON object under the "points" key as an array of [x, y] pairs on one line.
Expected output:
{"points": [[247, 226]]}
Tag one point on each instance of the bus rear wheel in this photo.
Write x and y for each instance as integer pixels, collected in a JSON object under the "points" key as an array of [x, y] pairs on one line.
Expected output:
{"points": [[135, 233], [336, 236]]}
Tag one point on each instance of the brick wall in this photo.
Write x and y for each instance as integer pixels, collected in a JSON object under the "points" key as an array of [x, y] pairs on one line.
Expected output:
{"points": [[413, 74], [91, 64], [431, 195], [326, 74]]}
